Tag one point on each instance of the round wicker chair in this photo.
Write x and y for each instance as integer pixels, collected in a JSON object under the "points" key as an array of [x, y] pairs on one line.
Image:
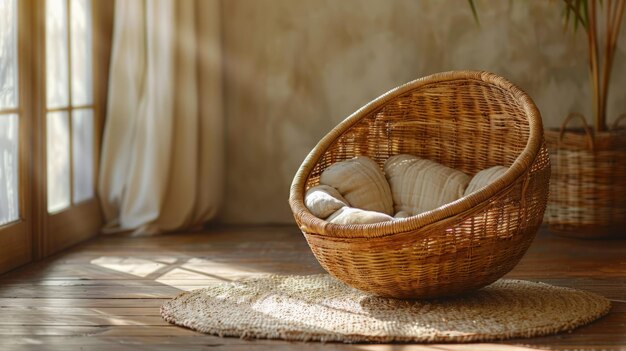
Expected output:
{"points": [[466, 120]]}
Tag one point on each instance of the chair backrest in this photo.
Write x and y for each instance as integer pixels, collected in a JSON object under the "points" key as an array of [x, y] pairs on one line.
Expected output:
{"points": [[464, 123]]}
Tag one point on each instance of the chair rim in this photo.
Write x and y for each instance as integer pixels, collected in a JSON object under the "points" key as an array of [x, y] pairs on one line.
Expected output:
{"points": [[317, 226]]}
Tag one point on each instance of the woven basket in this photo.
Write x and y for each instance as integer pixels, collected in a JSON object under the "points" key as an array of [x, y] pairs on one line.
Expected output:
{"points": [[466, 120], [588, 187]]}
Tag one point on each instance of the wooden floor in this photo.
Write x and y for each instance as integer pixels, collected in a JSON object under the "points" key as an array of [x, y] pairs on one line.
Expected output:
{"points": [[105, 294]]}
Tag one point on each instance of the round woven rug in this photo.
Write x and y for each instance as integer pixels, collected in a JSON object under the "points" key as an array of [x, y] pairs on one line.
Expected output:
{"points": [[319, 307]]}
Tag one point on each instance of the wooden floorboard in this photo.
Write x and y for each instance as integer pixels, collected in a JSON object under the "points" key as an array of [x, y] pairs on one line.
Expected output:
{"points": [[105, 294]]}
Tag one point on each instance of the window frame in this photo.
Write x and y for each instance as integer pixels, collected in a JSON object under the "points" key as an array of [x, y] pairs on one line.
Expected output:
{"points": [[37, 233], [16, 237], [82, 220]]}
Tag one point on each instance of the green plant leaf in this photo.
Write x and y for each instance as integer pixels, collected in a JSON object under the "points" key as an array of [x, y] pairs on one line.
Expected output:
{"points": [[585, 14], [474, 12], [566, 14], [577, 8]]}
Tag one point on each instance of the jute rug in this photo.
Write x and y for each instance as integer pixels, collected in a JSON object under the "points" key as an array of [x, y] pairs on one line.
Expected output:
{"points": [[320, 308]]}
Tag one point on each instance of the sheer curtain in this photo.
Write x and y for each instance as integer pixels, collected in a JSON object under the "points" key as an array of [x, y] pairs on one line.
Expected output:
{"points": [[162, 153]]}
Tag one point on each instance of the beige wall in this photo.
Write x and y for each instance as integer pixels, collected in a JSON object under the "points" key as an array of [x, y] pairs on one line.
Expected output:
{"points": [[295, 68]]}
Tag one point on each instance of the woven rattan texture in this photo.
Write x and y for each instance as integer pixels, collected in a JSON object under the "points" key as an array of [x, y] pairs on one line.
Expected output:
{"points": [[588, 185], [466, 120], [320, 308]]}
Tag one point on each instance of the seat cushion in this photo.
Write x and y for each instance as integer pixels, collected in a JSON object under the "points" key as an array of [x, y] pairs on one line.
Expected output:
{"points": [[350, 215], [324, 200], [420, 185], [484, 178], [361, 182]]}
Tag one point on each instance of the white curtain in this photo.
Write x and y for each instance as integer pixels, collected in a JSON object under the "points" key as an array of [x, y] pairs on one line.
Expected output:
{"points": [[162, 153]]}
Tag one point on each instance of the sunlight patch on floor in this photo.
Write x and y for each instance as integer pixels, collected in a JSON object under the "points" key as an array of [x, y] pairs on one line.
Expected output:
{"points": [[135, 266], [195, 273], [31, 341], [224, 271], [186, 280], [165, 259]]}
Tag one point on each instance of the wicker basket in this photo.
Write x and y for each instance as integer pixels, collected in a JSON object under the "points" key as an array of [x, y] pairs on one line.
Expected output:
{"points": [[466, 120], [588, 188]]}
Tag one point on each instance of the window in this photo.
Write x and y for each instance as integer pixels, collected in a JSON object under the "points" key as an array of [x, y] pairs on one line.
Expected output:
{"points": [[9, 114], [50, 123], [69, 103], [69, 119], [15, 150]]}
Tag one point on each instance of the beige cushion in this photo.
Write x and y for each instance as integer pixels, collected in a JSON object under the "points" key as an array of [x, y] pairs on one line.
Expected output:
{"points": [[324, 200], [420, 185], [361, 182], [350, 215], [402, 214], [484, 178]]}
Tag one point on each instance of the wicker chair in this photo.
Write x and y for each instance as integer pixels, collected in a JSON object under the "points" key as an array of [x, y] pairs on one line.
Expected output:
{"points": [[466, 120]]}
